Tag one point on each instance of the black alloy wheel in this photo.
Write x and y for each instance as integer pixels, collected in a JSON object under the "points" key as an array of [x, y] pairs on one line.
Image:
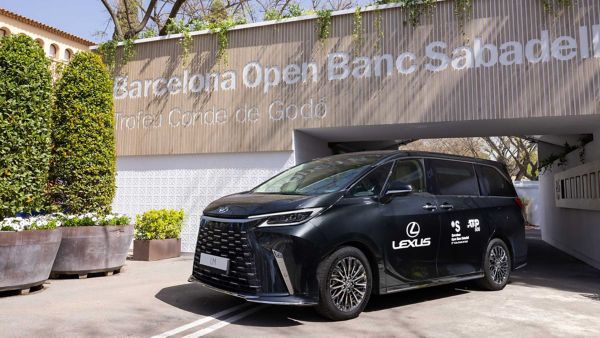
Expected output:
{"points": [[345, 282], [497, 266]]}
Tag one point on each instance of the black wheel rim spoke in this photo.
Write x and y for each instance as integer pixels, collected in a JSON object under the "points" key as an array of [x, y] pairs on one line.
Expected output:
{"points": [[499, 264], [348, 284]]}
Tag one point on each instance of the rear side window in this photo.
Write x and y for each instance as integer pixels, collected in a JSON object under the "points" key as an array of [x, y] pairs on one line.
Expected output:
{"points": [[492, 183], [454, 178]]}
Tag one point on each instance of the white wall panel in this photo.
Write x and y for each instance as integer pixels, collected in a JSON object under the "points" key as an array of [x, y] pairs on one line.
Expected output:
{"points": [[190, 182], [573, 230]]}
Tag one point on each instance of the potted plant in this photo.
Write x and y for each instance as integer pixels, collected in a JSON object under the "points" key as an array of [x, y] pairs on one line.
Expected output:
{"points": [[157, 235], [93, 243], [28, 248]]}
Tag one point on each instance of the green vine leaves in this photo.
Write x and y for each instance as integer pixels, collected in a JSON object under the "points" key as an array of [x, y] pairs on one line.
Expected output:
{"points": [[323, 24], [110, 57], [554, 7], [561, 158], [461, 9], [357, 30], [220, 29], [416, 9], [379, 30]]}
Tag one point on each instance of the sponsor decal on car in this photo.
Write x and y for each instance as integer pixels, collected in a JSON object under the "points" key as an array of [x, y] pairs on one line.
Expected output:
{"points": [[474, 224], [457, 238], [413, 229]]}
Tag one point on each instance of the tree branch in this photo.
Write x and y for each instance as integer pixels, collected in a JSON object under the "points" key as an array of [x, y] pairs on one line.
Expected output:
{"points": [[113, 16], [146, 17], [284, 6], [172, 15]]}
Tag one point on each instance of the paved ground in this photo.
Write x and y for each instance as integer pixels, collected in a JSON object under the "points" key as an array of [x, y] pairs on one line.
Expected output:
{"points": [[555, 295]]}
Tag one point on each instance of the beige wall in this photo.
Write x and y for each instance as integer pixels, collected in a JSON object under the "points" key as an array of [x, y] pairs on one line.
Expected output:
{"points": [[47, 38], [549, 68]]}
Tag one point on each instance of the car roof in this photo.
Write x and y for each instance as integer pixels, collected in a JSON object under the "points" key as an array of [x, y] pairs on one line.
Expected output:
{"points": [[393, 154]]}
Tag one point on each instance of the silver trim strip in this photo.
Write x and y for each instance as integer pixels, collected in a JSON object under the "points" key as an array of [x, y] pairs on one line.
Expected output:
{"points": [[252, 299], [521, 266], [312, 210], [283, 269], [436, 283], [279, 303], [227, 220]]}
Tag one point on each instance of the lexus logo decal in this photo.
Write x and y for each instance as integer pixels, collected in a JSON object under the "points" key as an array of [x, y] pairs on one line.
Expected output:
{"points": [[223, 210], [413, 229]]}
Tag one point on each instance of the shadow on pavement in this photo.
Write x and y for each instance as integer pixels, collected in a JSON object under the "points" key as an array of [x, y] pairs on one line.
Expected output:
{"points": [[199, 300], [378, 303], [196, 299], [547, 267], [552, 268]]}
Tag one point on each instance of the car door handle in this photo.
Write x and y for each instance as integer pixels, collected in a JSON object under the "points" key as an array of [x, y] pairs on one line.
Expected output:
{"points": [[447, 206], [430, 207]]}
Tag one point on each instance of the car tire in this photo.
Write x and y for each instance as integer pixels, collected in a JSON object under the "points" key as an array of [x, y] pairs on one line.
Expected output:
{"points": [[497, 266], [345, 283]]}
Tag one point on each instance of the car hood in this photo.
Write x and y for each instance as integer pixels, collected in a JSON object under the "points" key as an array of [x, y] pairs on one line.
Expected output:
{"points": [[248, 204]]}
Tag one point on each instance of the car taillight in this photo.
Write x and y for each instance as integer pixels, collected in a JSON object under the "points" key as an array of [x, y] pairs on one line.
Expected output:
{"points": [[519, 202]]}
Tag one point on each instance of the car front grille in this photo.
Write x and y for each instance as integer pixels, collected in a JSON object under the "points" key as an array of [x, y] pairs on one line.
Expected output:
{"points": [[229, 240]]}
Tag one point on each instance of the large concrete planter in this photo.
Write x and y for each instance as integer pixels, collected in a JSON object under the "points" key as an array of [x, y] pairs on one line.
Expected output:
{"points": [[90, 249], [26, 257], [155, 249]]}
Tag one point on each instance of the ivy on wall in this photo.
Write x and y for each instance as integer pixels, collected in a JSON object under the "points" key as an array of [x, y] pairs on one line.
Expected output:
{"points": [[461, 9], [416, 9], [110, 56], [357, 30], [219, 28], [379, 34], [323, 24], [561, 158], [186, 41], [82, 166], [554, 6], [25, 124], [293, 10]]}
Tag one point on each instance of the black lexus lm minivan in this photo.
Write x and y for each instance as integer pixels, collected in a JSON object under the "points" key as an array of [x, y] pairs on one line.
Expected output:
{"points": [[335, 230]]}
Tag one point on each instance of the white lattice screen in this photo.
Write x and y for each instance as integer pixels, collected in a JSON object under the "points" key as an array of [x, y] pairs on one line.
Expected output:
{"points": [[190, 182]]}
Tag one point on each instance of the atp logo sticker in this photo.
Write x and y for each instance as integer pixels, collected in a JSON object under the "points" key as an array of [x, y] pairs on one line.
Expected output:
{"points": [[413, 230]]}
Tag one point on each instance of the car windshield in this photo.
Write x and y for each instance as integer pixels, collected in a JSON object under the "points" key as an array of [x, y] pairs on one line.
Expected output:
{"points": [[321, 176]]}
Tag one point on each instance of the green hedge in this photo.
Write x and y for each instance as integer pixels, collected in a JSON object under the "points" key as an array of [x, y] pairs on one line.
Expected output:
{"points": [[159, 224], [25, 121], [82, 168]]}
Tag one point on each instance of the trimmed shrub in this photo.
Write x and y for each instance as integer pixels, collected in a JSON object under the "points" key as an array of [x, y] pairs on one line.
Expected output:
{"points": [[159, 224], [25, 121], [82, 167]]}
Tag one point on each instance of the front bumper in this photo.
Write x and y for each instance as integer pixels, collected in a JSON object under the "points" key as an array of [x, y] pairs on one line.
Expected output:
{"points": [[264, 299], [275, 265]]}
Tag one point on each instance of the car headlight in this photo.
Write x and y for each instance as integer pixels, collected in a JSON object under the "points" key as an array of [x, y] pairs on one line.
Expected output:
{"points": [[293, 217]]}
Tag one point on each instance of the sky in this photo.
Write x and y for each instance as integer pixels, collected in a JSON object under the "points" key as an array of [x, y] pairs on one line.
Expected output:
{"points": [[83, 18]]}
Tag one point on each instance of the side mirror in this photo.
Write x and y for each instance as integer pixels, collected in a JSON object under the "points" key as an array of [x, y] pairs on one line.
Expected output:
{"points": [[399, 188]]}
